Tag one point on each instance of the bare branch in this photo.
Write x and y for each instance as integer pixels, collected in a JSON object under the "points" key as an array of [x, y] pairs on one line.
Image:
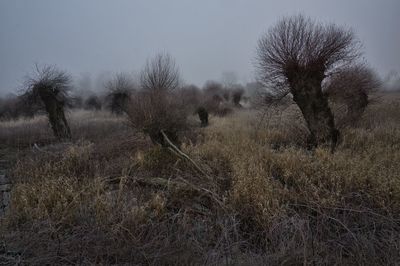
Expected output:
{"points": [[160, 74], [300, 43]]}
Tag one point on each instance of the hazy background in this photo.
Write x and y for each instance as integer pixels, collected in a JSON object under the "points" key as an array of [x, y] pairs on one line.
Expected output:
{"points": [[93, 38]]}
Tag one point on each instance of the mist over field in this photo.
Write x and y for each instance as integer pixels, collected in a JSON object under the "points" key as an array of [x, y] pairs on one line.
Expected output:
{"points": [[207, 38]]}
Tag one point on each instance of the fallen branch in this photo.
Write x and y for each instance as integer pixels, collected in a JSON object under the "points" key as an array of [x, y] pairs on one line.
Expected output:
{"points": [[182, 154]]}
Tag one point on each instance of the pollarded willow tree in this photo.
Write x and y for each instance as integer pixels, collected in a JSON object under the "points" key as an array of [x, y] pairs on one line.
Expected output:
{"points": [[295, 56], [49, 87]]}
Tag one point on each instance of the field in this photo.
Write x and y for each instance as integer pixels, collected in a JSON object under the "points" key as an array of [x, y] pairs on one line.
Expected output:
{"points": [[245, 191]]}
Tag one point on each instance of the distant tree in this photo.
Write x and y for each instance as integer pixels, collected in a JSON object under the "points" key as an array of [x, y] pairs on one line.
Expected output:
{"points": [[203, 116], [296, 56], [225, 94], [352, 86], [50, 86], [92, 103], [212, 89], [155, 109], [213, 96], [120, 89], [237, 95], [190, 95], [9, 108]]}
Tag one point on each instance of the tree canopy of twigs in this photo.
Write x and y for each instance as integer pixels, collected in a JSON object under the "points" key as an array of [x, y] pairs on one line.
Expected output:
{"points": [[160, 74], [297, 43]]}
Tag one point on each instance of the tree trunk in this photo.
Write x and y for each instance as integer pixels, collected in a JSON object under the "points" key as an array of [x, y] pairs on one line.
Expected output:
{"points": [[58, 122], [307, 94]]}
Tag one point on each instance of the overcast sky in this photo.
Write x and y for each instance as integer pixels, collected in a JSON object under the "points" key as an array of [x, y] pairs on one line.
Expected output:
{"points": [[206, 37]]}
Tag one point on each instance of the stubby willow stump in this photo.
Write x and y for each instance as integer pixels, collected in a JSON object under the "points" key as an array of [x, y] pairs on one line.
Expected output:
{"points": [[203, 116]]}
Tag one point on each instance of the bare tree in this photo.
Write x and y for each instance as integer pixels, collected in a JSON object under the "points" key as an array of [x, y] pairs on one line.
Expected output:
{"points": [[160, 74], [237, 95], [214, 94], [120, 89], [155, 109], [50, 86], [92, 103], [352, 87], [295, 57]]}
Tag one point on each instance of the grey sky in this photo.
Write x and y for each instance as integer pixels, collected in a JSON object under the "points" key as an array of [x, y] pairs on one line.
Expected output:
{"points": [[206, 37]]}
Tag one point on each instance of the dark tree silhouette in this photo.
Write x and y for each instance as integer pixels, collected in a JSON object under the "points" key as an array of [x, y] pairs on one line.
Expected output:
{"points": [[92, 103], [203, 116], [237, 95], [120, 90], [295, 57], [352, 87], [50, 86]]}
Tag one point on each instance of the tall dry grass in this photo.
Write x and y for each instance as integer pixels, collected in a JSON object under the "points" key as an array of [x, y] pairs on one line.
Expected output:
{"points": [[260, 199]]}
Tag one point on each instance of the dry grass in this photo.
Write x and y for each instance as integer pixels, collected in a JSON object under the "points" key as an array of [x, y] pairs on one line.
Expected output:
{"points": [[86, 125], [269, 201]]}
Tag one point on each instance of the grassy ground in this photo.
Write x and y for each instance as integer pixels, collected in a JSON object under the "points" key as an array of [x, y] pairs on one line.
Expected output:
{"points": [[111, 197]]}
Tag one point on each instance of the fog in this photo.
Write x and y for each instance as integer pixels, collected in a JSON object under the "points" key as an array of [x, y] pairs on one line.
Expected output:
{"points": [[95, 38]]}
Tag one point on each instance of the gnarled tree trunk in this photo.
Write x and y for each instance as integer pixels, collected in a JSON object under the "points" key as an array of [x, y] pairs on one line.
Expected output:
{"points": [[307, 93], [55, 112]]}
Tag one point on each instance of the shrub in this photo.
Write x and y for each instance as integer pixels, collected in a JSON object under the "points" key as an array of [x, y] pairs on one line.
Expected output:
{"points": [[152, 113], [155, 109], [352, 88]]}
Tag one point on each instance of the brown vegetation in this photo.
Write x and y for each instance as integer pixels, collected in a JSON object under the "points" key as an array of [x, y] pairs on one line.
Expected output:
{"points": [[113, 198], [155, 187], [155, 108]]}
